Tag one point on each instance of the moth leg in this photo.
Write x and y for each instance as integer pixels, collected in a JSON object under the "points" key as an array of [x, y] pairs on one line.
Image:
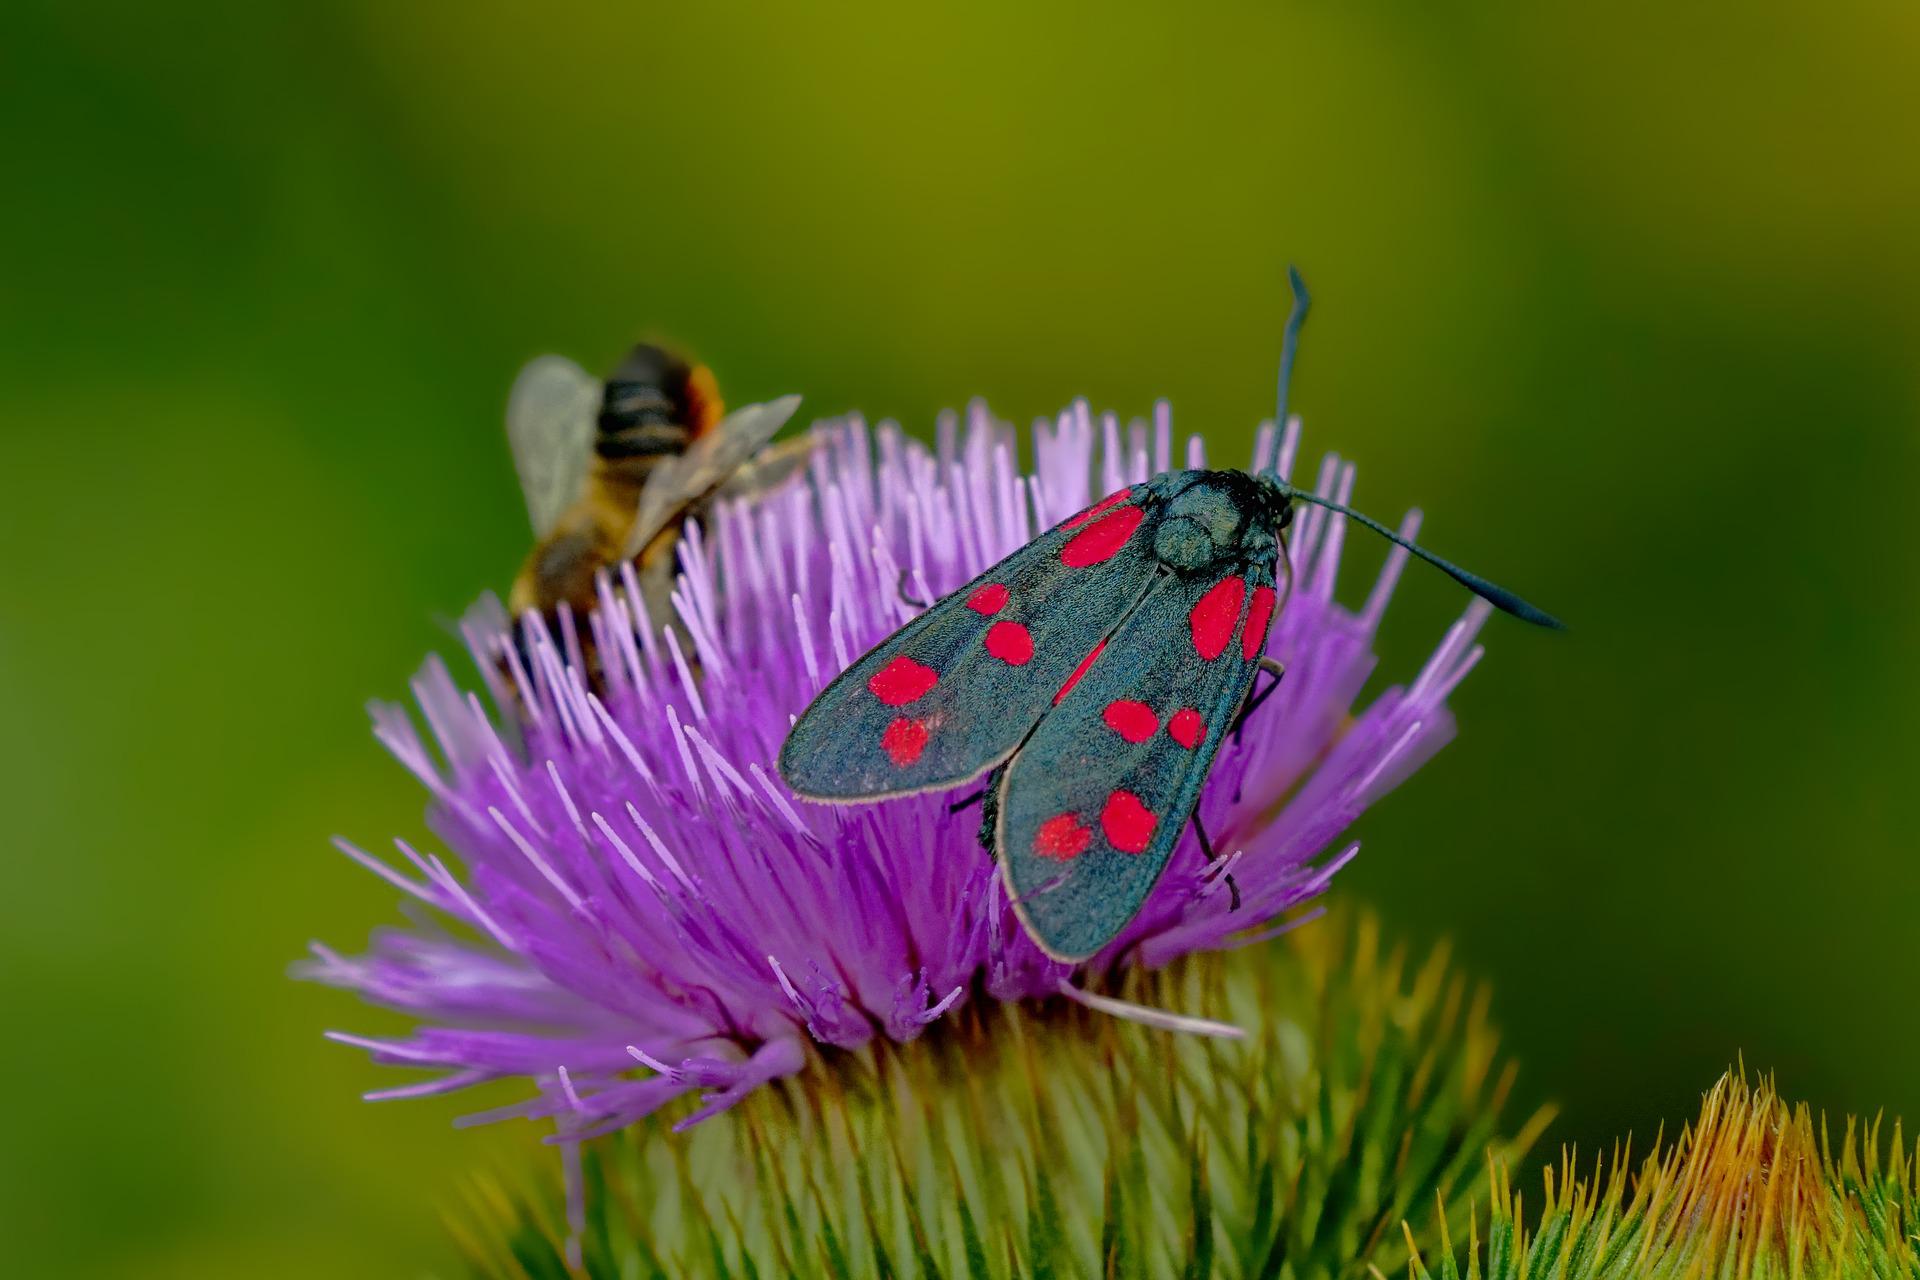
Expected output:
{"points": [[1206, 847], [989, 798], [901, 588], [967, 802], [1275, 669]]}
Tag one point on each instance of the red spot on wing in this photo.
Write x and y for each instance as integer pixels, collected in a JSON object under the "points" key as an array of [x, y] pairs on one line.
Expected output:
{"points": [[1259, 615], [1128, 824], [901, 681], [1062, 836], [1100, 541], [989, 599], [1011, 643], [1132, 720], [1213, 617], [1186, 727], [1113, 499], [1078, 671], [904, 740]]}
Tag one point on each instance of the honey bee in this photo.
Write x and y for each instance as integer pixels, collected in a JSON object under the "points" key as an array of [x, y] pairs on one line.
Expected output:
{"points": [[610, 470]]}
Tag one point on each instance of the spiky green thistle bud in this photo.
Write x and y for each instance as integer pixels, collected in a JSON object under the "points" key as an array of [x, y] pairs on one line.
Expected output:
{"points": [[1051, 1140], [1752, 1190]]}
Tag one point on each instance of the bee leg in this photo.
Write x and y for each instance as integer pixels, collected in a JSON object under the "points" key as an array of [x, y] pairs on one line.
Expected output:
{"points": [[1272, 668], [902, 590]]}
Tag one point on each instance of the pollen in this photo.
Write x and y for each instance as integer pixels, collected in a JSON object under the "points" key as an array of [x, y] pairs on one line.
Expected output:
{"points": [[904, 740], [988, 600], [1213, 617], [901, 681], [1132, 720], [1062, 836], [1011, 643], [1128, 824], [1100, 541], [1186, 727]]}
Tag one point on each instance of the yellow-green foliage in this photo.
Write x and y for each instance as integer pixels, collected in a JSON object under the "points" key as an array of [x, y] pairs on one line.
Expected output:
{"points": [[1048, 1140], [1751, 1191]]}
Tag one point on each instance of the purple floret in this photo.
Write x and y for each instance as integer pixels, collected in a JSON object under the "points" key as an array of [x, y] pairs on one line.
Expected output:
{"points": [[639, 908]]}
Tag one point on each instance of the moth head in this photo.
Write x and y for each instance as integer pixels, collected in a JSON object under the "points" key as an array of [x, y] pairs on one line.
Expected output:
{"points": [[1202, 525], [1279, 501]]}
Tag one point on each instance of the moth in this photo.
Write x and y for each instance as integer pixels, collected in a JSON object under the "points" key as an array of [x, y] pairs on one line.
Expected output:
{"points": [[1095, 673]]}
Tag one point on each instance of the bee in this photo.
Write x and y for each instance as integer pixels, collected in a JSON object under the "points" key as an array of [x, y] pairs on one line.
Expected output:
{"points": [[611, 469]]}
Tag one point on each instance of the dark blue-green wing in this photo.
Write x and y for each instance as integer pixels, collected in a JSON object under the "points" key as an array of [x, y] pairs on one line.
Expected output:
{"points": [[1097, 797], [952, 693]]}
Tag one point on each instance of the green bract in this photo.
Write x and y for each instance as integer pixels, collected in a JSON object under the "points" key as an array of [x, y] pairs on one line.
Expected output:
{"points": [[1751, 1191], [1045, 1139]]}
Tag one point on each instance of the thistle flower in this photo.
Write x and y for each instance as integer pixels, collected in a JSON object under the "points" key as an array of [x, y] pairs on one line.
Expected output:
{"points": [[642, 913], [1049, 1139], [1750, 1191]]}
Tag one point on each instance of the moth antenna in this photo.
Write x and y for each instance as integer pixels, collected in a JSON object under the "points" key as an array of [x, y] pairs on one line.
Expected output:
{"points": [[1497, 596], [1290, 344]]}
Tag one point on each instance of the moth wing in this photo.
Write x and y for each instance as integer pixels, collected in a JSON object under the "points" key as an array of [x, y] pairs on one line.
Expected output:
{"points": [[1095, 800], [676, 483], [550, 425], [952, 693]]}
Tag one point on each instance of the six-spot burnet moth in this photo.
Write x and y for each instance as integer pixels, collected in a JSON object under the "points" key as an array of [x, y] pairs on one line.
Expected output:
{"points": [[1096, 671]]}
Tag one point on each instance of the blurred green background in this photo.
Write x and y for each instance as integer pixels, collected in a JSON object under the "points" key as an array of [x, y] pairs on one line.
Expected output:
{"points": [[1629, 299]]}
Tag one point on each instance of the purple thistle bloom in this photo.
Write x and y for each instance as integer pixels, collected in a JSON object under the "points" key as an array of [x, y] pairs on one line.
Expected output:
{"points": [[646, 912]]}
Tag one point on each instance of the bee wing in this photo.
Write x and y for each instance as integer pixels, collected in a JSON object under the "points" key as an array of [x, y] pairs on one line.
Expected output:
{"points": [[769, 467], [1096, 798], [953, 692], [550, 427], [676, 483]]}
